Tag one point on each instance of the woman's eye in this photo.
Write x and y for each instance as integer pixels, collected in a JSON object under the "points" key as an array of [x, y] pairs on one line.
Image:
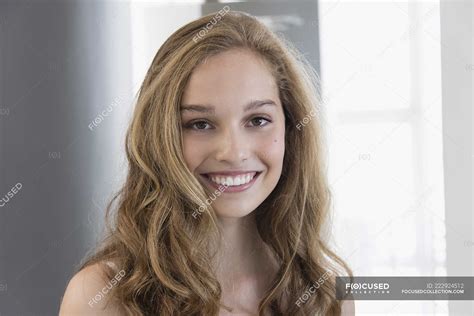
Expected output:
{"points": [[198, 125], [259, 119]]}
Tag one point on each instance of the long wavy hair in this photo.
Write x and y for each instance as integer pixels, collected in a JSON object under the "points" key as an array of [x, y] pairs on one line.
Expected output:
{"points": [[151, 233]]}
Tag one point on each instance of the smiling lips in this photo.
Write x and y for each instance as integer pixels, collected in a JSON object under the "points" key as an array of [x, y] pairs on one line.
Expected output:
{"points": [[233, 180]]}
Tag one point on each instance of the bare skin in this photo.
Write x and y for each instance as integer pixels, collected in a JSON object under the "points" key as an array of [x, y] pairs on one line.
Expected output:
{"points": [[78, 300], [245, 269]]}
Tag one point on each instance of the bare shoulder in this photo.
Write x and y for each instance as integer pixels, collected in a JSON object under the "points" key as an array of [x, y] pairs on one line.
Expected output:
{"points": [[348, 308], [86, 294]]}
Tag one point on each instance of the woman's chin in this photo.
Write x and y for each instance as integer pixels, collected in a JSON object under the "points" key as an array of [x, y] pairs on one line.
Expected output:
{"points": [[232, 213]]}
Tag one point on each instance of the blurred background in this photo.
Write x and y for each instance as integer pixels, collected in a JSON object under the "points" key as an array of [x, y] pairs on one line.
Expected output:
{"points": [[397, 82]]}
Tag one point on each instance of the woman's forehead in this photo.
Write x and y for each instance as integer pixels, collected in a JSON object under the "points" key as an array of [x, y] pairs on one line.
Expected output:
{"points": [[230, 77]]}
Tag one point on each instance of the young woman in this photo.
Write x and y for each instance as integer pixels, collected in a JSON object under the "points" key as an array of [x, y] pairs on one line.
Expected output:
{"points": [[226, 199]]}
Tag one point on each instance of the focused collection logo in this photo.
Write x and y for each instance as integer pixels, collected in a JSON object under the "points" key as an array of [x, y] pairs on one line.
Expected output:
{"points": [[367, 287]]}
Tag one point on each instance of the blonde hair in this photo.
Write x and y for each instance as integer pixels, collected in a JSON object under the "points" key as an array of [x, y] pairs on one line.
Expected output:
{"points": [[153, 237]]}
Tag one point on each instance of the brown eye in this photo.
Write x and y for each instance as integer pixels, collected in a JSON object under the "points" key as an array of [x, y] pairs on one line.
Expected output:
{"points": [[197, 125], [258, 121]]}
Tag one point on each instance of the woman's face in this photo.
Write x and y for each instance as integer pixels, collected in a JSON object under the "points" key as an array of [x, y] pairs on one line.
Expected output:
{"points": [[234, 131]]}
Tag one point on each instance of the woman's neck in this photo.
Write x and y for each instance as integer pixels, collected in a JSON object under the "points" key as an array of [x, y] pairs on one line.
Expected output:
{"points": [[244, 264]]}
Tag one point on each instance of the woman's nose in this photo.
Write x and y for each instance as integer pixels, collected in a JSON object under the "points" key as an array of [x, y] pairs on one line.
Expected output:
{"points": [[232, 146]]}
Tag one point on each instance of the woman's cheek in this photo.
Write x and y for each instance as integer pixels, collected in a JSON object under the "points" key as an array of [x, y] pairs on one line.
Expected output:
{"points": [[272, 146], [193, 150]]}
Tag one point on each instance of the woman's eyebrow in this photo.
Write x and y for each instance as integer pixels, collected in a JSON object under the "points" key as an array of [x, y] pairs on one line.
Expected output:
{"points": [[211, 109]]}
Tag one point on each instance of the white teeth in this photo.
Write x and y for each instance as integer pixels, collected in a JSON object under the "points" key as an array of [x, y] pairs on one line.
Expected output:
{"points": [[234, 181]]}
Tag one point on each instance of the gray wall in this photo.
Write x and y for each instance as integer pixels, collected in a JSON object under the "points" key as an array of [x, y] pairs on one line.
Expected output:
{"points": [[62, 64], [457, 35]]}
